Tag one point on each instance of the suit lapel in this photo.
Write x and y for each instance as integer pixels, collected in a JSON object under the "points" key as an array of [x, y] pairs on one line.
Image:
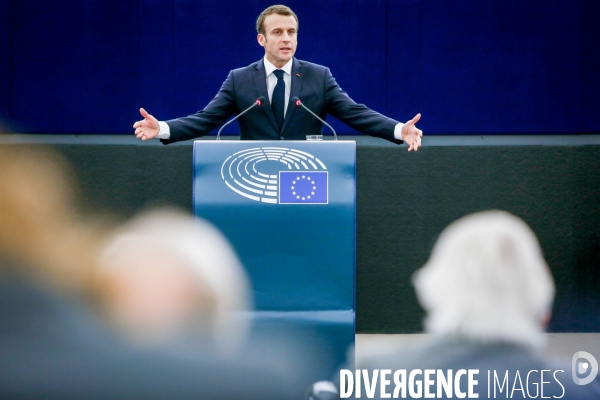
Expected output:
{"points": [[260, 81], [294, 91]]}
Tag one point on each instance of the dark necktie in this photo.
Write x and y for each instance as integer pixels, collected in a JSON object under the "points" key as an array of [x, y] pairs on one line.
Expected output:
{"points": [[278, 98]]}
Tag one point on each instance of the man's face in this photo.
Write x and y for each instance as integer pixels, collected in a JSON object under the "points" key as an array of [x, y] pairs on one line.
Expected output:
{"points": [[280, 38]]}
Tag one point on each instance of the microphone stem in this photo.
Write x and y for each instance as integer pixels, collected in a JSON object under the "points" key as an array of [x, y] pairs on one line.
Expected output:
{"points": [[236, 117], [317, 117]]}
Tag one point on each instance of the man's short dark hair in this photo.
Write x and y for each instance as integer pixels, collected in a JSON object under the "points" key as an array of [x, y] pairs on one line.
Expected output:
{"points": [[276, 9]]}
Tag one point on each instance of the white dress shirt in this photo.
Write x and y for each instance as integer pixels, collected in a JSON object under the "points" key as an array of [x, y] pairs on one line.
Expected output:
{"points": [[165, 132], [272, 80]]}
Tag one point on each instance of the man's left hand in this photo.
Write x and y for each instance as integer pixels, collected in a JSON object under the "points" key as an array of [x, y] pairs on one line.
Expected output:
{"points": [[411, 134]]}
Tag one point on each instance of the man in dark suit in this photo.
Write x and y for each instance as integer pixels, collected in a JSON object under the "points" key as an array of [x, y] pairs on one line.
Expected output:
{"points": [[279, 77]]}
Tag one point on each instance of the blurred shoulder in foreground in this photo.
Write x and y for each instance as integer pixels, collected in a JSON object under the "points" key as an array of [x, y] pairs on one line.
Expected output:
{"points": [[52, 340]]}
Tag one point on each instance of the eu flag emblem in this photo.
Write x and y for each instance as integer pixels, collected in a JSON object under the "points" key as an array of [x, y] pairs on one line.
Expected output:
{"points": [[303, 187]]}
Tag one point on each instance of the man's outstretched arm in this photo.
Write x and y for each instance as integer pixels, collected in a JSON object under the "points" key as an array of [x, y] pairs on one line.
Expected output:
{"points": [[366, 120]]}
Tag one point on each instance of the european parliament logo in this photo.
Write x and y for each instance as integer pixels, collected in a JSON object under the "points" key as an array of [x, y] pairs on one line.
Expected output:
{"points": [[277, 175]]}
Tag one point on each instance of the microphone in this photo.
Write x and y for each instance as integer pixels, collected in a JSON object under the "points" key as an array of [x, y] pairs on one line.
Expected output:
{"points": [[299, 103], [257, 102]]}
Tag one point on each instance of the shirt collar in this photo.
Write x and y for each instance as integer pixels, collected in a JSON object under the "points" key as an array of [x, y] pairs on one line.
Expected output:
{"points": [[269, 68]]}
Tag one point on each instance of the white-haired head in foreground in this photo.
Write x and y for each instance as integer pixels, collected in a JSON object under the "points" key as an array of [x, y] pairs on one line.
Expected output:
{"points": [[171, 276], [486, 280]]}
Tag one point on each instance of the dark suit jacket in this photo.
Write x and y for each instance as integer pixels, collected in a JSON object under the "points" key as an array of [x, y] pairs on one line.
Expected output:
{"points": [[311, 83]]}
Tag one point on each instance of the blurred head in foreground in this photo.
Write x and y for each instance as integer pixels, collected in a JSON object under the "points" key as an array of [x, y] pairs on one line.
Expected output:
{"points": [[171, 277], [53, 347], [487, 280], [42, 233]]}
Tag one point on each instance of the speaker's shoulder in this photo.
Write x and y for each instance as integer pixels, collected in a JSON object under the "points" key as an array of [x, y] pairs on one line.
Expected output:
{"points": [[310, 65], [249, 68]]}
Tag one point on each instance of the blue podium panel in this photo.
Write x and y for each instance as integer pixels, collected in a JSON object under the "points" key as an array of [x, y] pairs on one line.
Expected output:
{"points": [[289, 209]]}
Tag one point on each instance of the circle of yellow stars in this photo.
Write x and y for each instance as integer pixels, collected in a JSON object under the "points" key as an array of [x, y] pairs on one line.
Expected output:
{"points": [[312, 193]]}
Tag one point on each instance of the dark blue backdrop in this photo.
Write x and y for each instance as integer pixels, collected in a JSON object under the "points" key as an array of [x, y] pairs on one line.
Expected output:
{"points": [[469, 66]]}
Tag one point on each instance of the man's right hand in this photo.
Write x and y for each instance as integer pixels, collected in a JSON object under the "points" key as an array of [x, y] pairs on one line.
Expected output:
{"points": [[147, 128]]}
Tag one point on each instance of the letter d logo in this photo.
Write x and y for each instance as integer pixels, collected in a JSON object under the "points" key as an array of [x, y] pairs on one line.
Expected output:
{"points": [[582, 367]]}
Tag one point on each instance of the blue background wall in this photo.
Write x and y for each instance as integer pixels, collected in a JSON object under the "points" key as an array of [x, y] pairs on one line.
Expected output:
{"points": [[469, 66]]}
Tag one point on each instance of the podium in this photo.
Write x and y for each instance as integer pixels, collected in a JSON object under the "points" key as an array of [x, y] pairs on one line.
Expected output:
{"points": [[289, 210]]}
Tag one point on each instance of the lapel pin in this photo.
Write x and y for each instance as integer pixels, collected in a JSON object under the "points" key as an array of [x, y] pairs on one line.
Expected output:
{"points": [[298, 75]]}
